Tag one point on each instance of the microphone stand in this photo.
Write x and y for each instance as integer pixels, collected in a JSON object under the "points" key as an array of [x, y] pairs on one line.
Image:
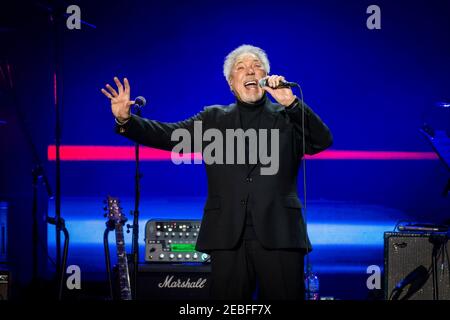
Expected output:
{"points": [[56, 15], [37, 173], [135, 227]]}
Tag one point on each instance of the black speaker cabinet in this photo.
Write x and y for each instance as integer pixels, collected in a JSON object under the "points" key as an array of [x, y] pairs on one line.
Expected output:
{"points": [[171, 281], [421, 261]]}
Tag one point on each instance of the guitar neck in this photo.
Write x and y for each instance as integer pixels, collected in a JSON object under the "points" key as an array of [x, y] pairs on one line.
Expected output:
{"points": [[122, 262]]}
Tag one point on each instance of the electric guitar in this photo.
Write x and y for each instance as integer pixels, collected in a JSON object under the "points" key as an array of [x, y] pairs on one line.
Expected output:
{"points": [[118, 219]]}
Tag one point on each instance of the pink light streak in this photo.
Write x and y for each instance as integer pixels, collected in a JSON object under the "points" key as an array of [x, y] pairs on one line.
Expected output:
{"points": [[126, 153]]}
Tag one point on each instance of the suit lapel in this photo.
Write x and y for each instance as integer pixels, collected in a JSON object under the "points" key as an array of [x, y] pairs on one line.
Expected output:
{"points": [[269, 116]]}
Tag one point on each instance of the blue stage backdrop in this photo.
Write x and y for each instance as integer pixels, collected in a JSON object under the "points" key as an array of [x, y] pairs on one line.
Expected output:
{"points": [[373, 88]]}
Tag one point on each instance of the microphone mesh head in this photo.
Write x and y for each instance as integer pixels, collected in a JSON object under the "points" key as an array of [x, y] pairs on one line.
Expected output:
{"points": [[140, 101], [262, 82]]}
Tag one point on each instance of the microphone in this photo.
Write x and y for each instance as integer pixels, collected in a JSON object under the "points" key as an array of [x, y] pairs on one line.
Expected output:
{"points": [[140, 102], [283, 84]]}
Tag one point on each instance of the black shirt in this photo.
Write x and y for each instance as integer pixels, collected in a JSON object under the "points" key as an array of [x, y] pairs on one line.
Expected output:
{"points": [[250, 115]]}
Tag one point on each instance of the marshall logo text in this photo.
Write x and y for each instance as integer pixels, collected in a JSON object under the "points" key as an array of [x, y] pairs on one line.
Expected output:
{"points": [[170, 283]]}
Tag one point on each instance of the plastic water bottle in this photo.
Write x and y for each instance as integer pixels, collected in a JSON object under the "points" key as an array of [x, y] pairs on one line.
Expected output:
{"points": [[311, 285]]}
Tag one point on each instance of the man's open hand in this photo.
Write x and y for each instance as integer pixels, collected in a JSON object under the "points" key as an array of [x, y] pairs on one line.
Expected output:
{"points": [[120, 102]]}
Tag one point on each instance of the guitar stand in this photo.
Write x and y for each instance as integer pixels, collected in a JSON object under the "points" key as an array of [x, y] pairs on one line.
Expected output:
{"points": [[109, 227]]}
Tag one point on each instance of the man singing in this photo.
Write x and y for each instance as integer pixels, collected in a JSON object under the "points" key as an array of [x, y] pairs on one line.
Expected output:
{"points": [[252, 224]]}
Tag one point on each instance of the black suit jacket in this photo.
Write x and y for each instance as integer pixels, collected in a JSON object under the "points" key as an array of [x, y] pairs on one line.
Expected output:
{"points": [[272, 199]]}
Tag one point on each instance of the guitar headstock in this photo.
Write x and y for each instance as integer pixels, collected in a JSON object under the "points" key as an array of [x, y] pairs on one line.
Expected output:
{"points": [[114, 211]]}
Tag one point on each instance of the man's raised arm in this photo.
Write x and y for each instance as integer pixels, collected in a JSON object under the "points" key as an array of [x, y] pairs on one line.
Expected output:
{"points": [[147, 132]]}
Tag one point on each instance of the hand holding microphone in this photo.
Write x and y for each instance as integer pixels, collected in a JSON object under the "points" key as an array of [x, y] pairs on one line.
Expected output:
{"points": [[279, 89], [276, 83]]}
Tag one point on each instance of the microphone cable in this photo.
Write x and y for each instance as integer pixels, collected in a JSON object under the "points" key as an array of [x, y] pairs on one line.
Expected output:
{"points": [[304, 209], [303, 164]]}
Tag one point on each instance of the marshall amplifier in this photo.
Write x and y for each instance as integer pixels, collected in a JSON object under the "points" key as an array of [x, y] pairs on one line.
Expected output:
{"points": [[173, 281], [416, 266], [173, 241]]}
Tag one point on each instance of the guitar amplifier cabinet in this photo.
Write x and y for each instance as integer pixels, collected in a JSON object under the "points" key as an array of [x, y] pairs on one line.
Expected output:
{"points": [[173, 281], [409, 256]]}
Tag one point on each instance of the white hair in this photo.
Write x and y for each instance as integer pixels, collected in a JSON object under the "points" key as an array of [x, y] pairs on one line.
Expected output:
{"points": [[243, 49]]}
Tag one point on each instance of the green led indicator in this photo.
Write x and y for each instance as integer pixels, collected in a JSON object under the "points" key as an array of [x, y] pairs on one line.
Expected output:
{"points": [[182, 247]]}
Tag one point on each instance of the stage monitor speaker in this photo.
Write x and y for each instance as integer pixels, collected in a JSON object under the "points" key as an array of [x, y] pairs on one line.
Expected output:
{"points": [[408, 265]]}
